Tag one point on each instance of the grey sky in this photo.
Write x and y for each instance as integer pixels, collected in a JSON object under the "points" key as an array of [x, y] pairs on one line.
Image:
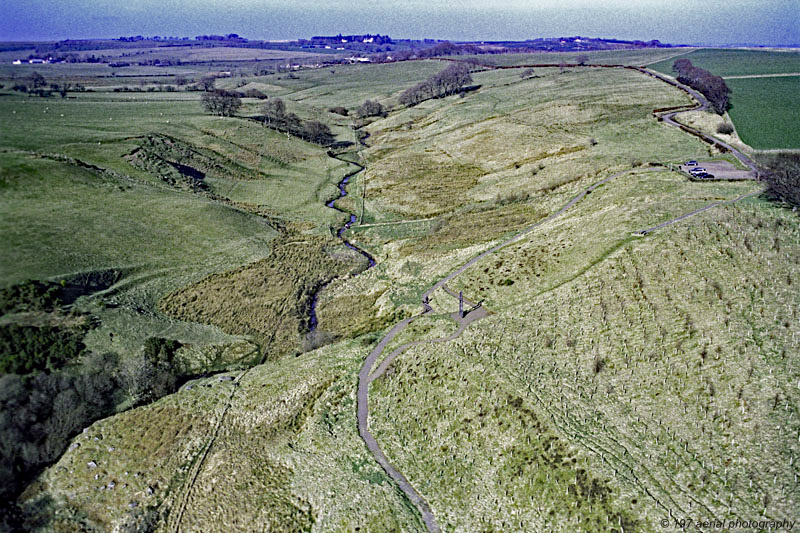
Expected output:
{"points": [[765, 22]]}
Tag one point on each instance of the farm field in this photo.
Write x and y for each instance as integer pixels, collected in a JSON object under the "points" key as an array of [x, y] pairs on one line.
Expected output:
{"points": [[599, 57], [766, 126], [734, 62], [616, 379], [763, 109]]}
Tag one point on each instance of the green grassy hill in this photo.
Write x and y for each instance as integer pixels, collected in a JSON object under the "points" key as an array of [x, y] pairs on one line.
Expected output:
{"points": [[616, 381]]}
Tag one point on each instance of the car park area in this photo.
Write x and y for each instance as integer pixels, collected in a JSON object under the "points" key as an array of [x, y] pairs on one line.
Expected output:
{"points": [[715, 170]]}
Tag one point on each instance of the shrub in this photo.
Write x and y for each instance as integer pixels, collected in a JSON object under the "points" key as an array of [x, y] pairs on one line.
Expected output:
{"points": [[30, 296], [725, 128], [372, 108], [27, 349], [255, 93], [339, 110]]}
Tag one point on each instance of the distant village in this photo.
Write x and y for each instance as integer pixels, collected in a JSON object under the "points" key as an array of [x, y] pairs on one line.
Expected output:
{"points": [[364, 48]]}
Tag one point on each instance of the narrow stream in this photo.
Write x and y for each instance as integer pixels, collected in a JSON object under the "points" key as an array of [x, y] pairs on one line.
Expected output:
{"points": [[312, 314]]}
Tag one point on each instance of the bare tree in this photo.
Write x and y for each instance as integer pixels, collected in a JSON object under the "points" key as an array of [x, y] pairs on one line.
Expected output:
{"points": [[372, 108], [207, 83], [221, 102], [274, 111], [449, 81], [582, 59]]}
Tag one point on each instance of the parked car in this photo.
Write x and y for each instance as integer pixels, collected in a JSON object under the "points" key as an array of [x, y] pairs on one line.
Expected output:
{"points": [[697, 170], [691, 163], [704, 176]]}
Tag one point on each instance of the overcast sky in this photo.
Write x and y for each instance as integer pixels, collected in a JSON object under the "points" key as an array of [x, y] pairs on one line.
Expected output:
{"points": [[764, 22]]}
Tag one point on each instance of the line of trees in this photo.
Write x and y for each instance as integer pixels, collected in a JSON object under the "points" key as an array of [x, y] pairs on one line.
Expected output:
{"points": [[449, 81], [274, 115], [36, 85], [713, 87]]}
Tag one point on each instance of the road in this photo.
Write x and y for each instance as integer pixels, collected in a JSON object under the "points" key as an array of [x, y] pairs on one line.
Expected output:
{"points": [[703, 105], [366, 376]]}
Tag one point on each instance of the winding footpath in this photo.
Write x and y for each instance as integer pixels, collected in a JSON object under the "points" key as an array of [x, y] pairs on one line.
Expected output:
{"points": [[366, 376], [702, 105]]}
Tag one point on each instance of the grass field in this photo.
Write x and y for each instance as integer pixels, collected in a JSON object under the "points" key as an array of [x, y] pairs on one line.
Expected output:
{"points": [[82, 220], [766, 126], [601, 57], [616, 380], [764, 110], [737, 62]]}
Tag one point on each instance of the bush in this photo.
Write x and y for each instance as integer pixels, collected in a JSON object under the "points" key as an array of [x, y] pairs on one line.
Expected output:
{"points": [[255, 93], [725, 128], [372, 108], [30, 296], [781, 171], [339, 110], [27, 349]]}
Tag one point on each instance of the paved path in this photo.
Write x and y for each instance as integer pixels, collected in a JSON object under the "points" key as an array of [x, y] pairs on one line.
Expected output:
{"points": [[365, 376], [644, 232]]}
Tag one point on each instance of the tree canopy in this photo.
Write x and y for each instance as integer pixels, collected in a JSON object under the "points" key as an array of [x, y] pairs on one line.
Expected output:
{"points": [[221, 102], [713, 87], [449, 81]]}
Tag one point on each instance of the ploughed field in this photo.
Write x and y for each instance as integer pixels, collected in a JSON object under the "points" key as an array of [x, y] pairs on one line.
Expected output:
{"points": [[618, 380]]}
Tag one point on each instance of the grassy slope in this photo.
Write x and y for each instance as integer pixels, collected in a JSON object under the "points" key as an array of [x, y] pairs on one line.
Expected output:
{"points": [[80, 220], [286, 455], [694, 400], [523, 434]]}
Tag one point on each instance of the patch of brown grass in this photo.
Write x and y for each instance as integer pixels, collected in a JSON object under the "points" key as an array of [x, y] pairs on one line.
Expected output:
{"points": [[425, 184], [269, 299]]}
